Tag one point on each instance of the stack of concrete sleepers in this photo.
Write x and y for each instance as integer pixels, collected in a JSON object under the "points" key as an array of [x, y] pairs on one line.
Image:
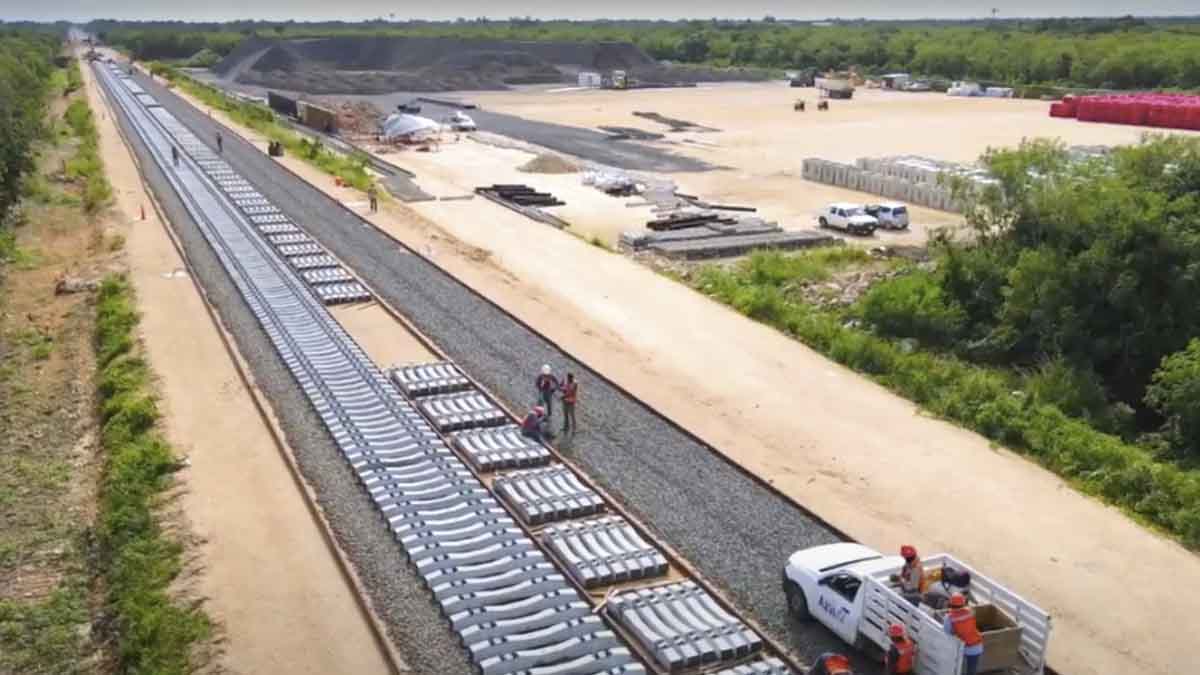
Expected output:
{"points": [[738, 245], [682, 626], [604, 551], [763, 667], [426, 379], [494, 448], [548, 494], [479, 429], [511, 610], [461, 410], [917, 180]]}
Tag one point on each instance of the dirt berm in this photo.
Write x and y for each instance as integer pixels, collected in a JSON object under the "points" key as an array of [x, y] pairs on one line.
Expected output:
{"points": [[379, 65]]}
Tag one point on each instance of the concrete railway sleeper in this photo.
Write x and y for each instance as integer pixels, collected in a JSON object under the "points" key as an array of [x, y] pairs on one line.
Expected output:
{"points": [[487, 570], [328, 365]]}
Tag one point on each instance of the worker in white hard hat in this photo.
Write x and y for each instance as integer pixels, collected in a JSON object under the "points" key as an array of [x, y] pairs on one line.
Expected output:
{"points": [[547, 385]]}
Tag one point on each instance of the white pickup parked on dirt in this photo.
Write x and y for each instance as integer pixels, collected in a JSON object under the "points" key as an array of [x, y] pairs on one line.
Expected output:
{"points": [[848, 588], [850, 218]]}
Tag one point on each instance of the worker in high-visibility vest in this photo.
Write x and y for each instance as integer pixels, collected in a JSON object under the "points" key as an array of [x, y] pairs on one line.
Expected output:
{"points": [[960, 622], [831, 664], [912, 576], [901, 656]]}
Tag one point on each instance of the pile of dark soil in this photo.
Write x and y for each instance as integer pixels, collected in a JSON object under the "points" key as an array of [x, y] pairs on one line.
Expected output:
{"points": [[373, 65]]}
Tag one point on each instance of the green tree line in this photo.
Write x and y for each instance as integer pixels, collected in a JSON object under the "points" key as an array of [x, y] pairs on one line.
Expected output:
{"points": [[1117, 53], [26, 65], [1087, 271]]}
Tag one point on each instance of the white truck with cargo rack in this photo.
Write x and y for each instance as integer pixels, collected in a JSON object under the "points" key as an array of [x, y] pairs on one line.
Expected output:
{"points": [[849, 588]]}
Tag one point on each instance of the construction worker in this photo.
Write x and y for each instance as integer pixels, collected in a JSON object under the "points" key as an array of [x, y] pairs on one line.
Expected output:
{"points": [[373, 197], [175, 155], [912, 575], [546, 385], [570, 394], [831, 664], [533, 426], [220, 143], [901, 657], [960, 622]]}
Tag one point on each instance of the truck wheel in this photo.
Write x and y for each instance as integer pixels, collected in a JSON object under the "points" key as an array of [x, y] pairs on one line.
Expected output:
{"points": [[823, 223], [797, 603]]}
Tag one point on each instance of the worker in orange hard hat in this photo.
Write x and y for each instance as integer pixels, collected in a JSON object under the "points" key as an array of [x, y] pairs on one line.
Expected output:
{"points": [[912, 575], [831, 664], [960, 622], [901, 657]]}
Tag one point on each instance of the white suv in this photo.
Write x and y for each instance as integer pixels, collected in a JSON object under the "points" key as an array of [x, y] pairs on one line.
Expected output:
{"points": [[891, 215], [851, 218]]}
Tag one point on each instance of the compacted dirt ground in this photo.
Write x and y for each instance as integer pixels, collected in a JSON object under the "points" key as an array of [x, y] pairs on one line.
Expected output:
{"points": [[823, 435], [270, 580]]}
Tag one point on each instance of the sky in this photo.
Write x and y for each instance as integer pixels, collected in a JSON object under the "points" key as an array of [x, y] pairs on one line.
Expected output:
{"points": [[352, 10]]}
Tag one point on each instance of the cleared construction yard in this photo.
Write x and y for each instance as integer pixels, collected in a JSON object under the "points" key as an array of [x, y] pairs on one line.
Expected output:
{"points": [[590, 307]]}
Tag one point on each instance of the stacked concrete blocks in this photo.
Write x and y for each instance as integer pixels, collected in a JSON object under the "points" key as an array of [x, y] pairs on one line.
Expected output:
{"points": [[543, 495], [604, 551], [682, 626]]}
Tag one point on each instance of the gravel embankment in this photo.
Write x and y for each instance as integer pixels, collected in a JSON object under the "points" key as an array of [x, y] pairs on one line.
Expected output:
{"points": [[737, 532], [413, 621]]}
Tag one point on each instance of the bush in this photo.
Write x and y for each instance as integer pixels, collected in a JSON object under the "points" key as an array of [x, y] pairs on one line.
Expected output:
{"points": [[987, 400], [153, 633], [1175, 393], [914, 306]]}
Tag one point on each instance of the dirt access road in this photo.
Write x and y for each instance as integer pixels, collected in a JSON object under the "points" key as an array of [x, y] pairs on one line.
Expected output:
{"points": [[269, 580], [824, 435]]}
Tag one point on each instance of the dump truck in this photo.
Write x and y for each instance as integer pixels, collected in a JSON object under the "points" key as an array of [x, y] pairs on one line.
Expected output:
{"points": [[834, 87], [850, 589]]}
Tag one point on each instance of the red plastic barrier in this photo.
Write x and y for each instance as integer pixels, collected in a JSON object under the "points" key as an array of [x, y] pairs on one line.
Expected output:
{"points": [[1166, 111]]}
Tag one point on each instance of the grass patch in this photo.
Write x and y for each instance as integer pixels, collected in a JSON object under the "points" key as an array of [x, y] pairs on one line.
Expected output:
{"points": [[153, 633], [86, 166], [351, 169], [44, 637], [991, 401], [20, 257]]}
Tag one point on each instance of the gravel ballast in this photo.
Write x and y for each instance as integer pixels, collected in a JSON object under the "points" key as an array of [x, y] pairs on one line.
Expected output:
{"points": [[735, 530], [413, 621]]}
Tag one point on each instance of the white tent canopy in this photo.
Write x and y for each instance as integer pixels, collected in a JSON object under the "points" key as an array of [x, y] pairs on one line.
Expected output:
{"points": [[398, 125]]}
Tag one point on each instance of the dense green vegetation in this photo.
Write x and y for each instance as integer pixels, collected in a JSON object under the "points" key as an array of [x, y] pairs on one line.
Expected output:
{"points": [[26, 66], [1109, 53], [154, 633], [1065, 327], [351, 169], [86, 165], [1023, 410]]}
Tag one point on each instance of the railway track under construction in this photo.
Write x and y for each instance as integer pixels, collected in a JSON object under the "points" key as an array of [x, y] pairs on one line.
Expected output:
{"points": [[535, 568]]}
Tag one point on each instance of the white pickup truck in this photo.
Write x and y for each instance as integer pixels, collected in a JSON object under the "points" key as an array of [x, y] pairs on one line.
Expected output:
{"points": [[850, 218], [848, 588]]}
